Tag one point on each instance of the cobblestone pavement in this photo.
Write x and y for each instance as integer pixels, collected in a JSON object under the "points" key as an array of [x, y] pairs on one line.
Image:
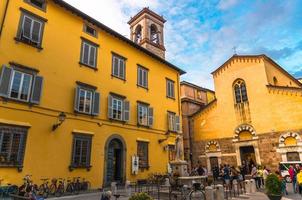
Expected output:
{"points": [[254, 196]]}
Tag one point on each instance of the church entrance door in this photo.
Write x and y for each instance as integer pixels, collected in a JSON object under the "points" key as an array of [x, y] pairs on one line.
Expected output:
{"points": [[247, 155]]}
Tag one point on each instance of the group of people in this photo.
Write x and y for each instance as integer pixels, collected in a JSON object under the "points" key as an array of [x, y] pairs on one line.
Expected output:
{"points": [[295, 173]]}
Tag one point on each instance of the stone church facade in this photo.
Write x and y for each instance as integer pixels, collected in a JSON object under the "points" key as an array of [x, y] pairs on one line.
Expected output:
{"points": [[255, 118]]}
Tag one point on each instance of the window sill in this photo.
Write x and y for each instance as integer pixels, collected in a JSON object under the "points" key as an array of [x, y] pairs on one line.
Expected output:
{"points": [[118, 120], [27, 43], [73, 167], [140, 86], [8, 99], [173, 98], [83, 113], [7, 165], [143, 126], [91, 67], [113, 76]]}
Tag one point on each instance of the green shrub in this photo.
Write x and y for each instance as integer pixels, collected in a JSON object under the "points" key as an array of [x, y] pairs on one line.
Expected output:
{"points": [[273, 185], [140, 196]]}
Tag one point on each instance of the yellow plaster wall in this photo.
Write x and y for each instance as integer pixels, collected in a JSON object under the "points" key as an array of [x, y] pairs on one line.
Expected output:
{"points": [[282, 78], [48, 153], [270, 110]]}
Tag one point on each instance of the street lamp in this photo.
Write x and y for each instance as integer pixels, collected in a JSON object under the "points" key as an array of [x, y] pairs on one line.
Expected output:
{"points": [[61, 119]]}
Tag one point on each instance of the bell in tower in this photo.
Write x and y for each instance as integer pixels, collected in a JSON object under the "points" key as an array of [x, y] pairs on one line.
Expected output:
{"points": [[147, 30]]}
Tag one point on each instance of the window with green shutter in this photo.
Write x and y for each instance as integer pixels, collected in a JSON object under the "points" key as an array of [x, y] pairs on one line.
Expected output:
{"points": [[118, 107], [144, 114], [87, 100], [31, 29], [170, 88], [118, 66], [89, 53], [142, 77], [21, 85]]}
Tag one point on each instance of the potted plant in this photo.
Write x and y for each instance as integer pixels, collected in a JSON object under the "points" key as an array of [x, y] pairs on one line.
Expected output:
{"points": [[140, 196], [273, 187]]}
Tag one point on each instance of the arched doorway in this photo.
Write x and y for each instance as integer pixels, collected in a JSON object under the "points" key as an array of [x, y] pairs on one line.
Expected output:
{"points": [[115, 160]]}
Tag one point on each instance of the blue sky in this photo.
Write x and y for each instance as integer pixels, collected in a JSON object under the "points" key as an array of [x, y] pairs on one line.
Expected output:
{"points": [[200, 34]]}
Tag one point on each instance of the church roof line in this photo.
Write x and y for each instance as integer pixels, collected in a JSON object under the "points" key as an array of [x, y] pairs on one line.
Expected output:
{"points": [[262, 56]]}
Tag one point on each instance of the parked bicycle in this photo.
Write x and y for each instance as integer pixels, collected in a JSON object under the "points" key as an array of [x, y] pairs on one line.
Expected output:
{"points": [[6, 190], [44, 188], [28, 189]]}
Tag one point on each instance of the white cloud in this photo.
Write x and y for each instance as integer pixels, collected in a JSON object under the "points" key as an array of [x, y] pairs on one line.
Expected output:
{"points": [[226, 4]]}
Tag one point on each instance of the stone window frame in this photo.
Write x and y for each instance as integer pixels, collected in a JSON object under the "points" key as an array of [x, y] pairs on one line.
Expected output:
{"points": [[13, 132], [43, 8], [82, 138], [240, 91]]}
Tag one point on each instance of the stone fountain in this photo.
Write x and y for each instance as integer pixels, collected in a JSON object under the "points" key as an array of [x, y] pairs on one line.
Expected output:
{"points": [[179, 166]]}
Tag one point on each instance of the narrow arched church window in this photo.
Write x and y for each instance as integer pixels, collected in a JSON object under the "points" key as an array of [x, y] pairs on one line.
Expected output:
{"points": [[138, 34], [240, 92], [154, 34]]}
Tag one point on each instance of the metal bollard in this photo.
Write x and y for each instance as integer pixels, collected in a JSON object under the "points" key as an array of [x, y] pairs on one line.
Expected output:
{"points": [[219, 192], [209, 193]]}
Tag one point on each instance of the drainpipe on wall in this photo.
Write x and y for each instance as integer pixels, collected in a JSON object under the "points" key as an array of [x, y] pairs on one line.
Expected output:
{"points": [[4, 16]]}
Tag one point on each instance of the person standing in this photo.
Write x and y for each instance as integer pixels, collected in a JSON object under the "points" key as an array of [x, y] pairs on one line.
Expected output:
{"points": [[254, 174], [299, 181], [293, 176], [226, 176], [265, 174]]}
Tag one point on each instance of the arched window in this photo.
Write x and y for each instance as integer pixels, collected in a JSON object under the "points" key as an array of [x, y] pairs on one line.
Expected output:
{"points": [[240, 91], [153, 34], [138, 34]]}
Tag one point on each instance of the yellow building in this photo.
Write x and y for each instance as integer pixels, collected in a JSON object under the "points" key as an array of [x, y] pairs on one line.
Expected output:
{"points": [[79, 99], [256, 117]]}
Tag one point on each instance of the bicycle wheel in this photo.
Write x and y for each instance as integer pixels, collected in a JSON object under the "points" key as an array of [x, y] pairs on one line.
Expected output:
{"points": [[59, 191], [45, 192], [69, 188], [52, 189], [197, 194], [13, 189]]}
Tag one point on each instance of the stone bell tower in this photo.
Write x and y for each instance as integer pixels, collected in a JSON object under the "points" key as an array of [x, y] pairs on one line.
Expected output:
{"points": [[147, 30]]}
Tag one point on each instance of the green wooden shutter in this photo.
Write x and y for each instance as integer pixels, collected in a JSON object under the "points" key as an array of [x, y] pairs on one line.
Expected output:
{"points": [[110, 113], [37, 90], [5, 79], [92, 56], [36, 31], [177, 123], [76, 99], [96, 104], [26, 27], [126, 113], [150, 116]]}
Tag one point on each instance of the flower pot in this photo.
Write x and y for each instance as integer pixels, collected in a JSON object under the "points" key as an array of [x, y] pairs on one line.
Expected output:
{"points": [[274, 197]]}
